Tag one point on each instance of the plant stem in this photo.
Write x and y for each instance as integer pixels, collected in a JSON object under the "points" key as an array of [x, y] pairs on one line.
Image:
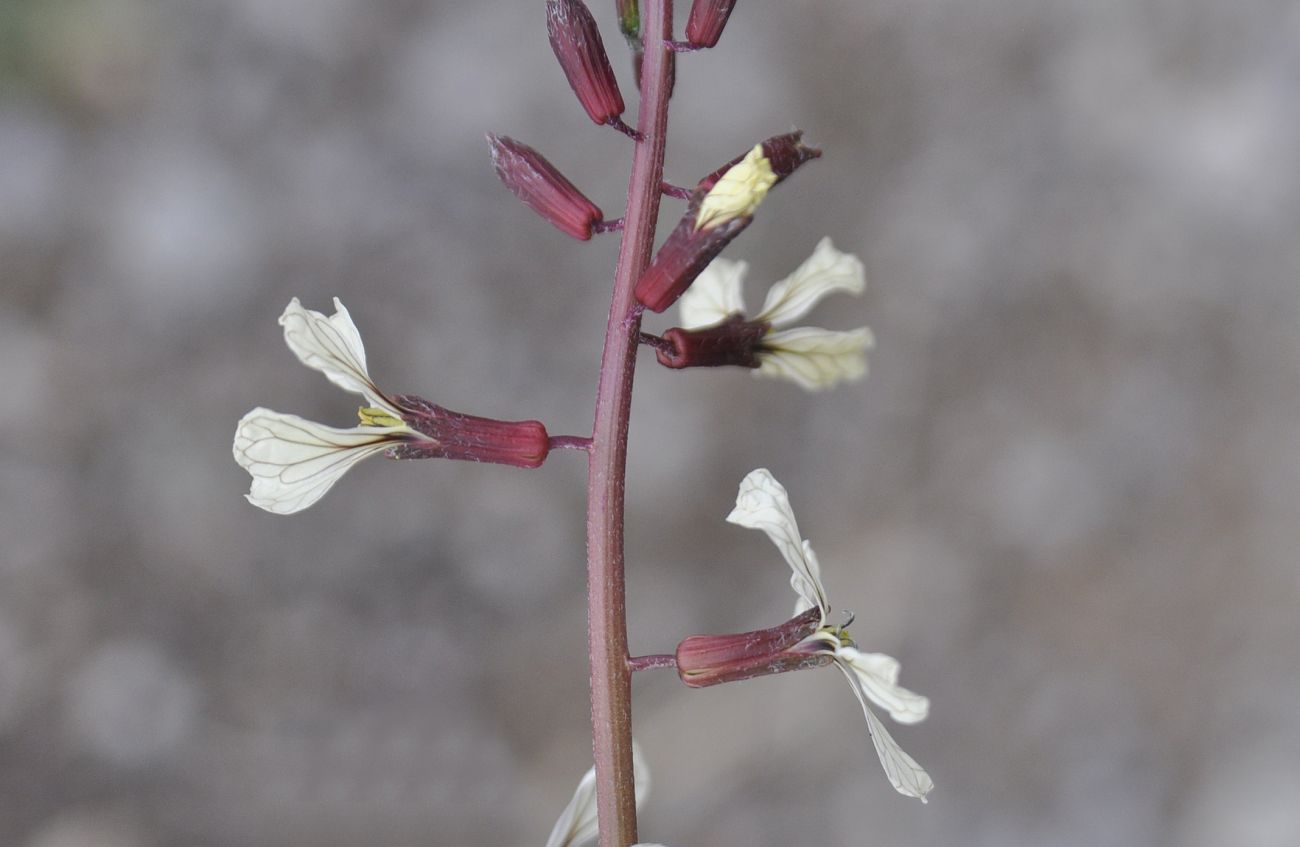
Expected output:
{"points": [[611, 676], [655, 660]]}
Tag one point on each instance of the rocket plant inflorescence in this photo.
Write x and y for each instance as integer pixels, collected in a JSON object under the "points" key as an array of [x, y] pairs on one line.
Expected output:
{"points": [[294, 462]]}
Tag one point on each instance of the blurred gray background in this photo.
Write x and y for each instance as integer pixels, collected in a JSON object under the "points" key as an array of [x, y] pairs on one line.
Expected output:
{"points": [[1066, 497]]}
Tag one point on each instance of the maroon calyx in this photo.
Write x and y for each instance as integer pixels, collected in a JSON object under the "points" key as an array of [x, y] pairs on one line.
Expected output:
{"points": [[708, 17], [575, 38], [735, 341], [545, 190], [452, 435], [704, 660]]}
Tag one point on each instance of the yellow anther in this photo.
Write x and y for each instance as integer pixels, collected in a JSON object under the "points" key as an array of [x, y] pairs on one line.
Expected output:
{"points": [[738, 192], [375, 416]]}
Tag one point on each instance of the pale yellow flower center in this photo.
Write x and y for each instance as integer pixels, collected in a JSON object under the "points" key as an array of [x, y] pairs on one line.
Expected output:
{"points": [[375, 416]]}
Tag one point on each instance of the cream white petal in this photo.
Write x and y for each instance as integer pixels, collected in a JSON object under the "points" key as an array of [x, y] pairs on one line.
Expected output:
{"points": [[715, 294], [332, 346], [294, 461], [762, 503], [738, 192], [878, 675], [903, 772], [815, 359], [577, 823], [826, 271]]}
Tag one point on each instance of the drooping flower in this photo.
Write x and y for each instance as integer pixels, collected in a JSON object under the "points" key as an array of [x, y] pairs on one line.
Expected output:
{"points": [[294, 461], [715, 331], [808, 638], [577, 823]]}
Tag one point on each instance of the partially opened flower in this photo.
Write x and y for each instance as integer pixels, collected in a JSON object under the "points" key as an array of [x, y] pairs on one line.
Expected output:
{"points": [[294, 461], [577, 823], [716, 332], [809, 638]]}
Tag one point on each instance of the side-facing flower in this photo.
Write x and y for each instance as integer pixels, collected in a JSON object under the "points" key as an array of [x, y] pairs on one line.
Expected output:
{"points": [[715, 331], [762, 503], [294, 461], [577, 823]]}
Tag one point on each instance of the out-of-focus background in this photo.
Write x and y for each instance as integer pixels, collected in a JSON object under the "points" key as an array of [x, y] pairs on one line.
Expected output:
{"points": [[1066, 497]]}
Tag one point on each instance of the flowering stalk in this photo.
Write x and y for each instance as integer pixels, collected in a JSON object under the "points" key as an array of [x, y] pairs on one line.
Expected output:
{"points": [[611, 673]]}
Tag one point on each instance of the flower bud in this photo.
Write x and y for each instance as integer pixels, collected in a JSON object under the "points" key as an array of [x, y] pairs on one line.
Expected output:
{"points": [[523, 444], [704, 660], [543, 188], [629, 18], [576, 42], [708, 17], [735, 341]]}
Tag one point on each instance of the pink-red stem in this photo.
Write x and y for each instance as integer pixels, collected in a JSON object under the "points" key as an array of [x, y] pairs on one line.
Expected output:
{"points": [[611, 676]]}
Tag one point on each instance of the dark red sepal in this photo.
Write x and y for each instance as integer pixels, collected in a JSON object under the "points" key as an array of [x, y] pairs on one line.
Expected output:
{"points": [[708, 17], [544, 189], [452, 435], [684, 255], [735, 341], [704, 660], [575, 38]]}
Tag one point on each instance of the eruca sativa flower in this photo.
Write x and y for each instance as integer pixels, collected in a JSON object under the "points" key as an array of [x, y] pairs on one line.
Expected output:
{"points": [[294, 462]]}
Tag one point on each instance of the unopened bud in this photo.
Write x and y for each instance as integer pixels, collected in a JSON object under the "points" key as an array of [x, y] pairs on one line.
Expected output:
{"points": [[543, 188], [708, 17], [704, 660], [629, 18], [523, 444], [735, 341], [576, 42]]}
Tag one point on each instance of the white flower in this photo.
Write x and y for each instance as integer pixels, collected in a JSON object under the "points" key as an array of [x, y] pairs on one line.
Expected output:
{"points": [[813, 358], [577, 823], [762, 503], [294, 461]]}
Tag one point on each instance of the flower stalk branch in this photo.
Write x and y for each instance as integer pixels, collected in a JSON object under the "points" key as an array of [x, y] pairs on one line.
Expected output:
{"points": [[611, 695]]}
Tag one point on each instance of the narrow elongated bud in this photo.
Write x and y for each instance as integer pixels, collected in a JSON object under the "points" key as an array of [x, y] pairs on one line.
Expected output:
{"points": [[735, 341], [543, 188], [452, 435], [576, 41], [704, 660], [708, 17]]}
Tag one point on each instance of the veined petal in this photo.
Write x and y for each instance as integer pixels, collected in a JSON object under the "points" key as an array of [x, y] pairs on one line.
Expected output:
{"points": [[294, 461], [762, 503], [903, 772], [715, 294], [332, 346], [826, 271], [577, 823], [739, 191], [878, 676], [815, 358]]}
